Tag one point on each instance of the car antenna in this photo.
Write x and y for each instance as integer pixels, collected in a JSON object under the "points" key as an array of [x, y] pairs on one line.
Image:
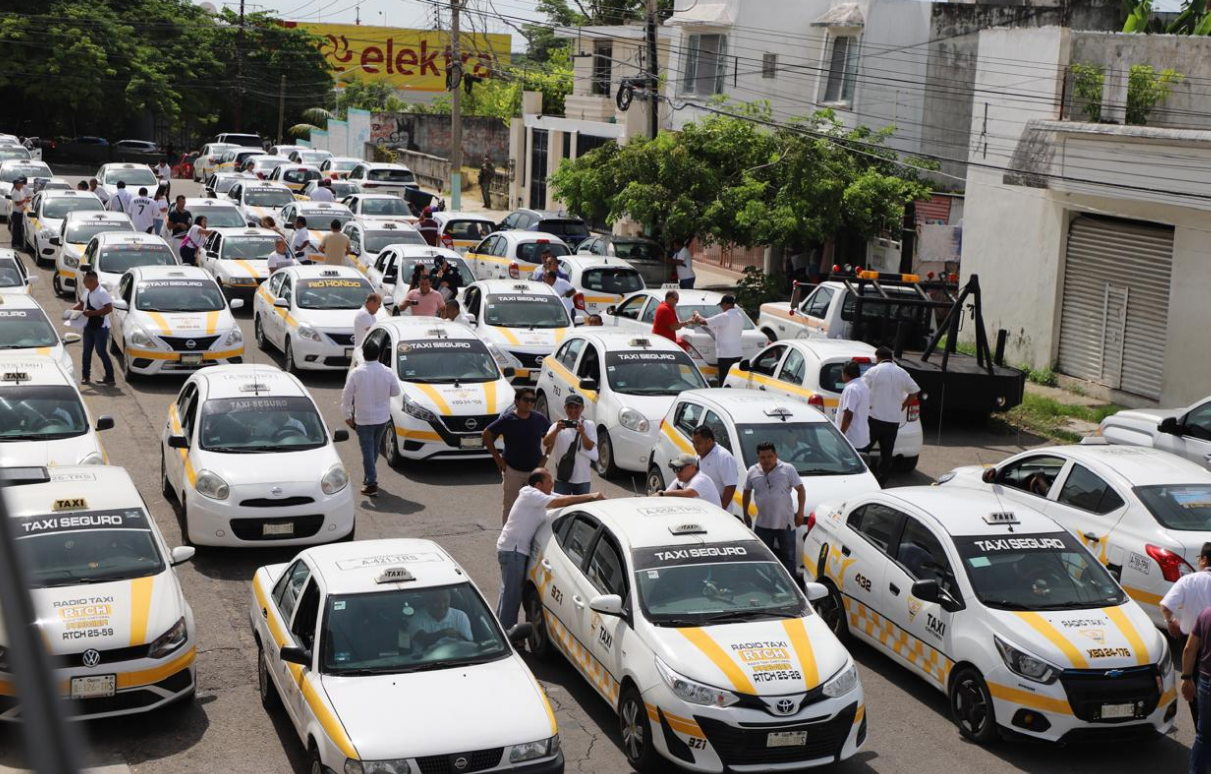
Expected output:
{"points": [[995, 493]]}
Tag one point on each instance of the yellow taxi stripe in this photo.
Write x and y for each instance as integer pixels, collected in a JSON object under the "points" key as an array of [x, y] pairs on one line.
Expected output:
{"points": [[676, 723], [860, 714], [161, 323], [442, 407], [67, 273], [140, 608], [1143, 597], [559, 334], [1040, 625], [568, 377], [248, 267], [703, 642], [420, 435], [794, 389], [190, 473], [490, 396], [508, 334], [154, 355], [1167, 697], [677, 438], [1028, 699], [1129, 632], [546, 704], [212, 321], [601, 299], [156, 674], [43, 350], [796, 631]]}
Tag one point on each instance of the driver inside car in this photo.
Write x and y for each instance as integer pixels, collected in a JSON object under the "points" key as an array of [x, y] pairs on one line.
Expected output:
{"points": [[437, 623]]}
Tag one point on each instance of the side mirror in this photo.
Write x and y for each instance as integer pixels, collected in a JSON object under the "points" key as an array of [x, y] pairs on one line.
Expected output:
{"points": [[237, 303], [509, 372], [182, 554], [295, 655], [105, 422], [178, 442], [815, 591], [281, 302], [520, 632], [744, 366], [989, 476], [606, 604], [71, 338], [212, 254], [578, 321], [927, 591], [390, 277], [120, 305], [31, 280], [588, 384], [340, 435], [1169, 426]]}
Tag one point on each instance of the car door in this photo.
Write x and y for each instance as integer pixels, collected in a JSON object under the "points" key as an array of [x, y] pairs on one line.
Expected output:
{"points": [[789, 382], [500, 255], [279, 615], [353, 258], [814, 314], [857, 565], [471, 300], [117, 318], [1091, 508], [567, 620], [1029, 479], [606, 573], [559, 376], [626, 314], [304, 634], [271, 321], [281, 321], [760, 374], [376, 270], [210, 253], [1193, 440], [174, 459], [589, 366]]}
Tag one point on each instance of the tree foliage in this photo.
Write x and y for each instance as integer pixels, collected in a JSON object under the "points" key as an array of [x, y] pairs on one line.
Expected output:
{"points": [[541, 39], [734, 180], [500, 97], [1193, 19]]}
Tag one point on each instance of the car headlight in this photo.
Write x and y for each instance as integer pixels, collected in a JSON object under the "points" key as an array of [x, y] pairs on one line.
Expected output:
{"points": [[212, 486], [633, 420], [139, 337], [530, 750], [1166, 662], [413, 409], [71, 261], [235, 337], [947, 476], [845, 681], [399, 766], [502, 360], [1026, 665], [334, 480], [169, 641], [307, 332], [693, 691], [93, 458]]}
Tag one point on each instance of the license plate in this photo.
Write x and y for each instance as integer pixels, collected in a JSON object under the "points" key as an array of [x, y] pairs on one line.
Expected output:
{"points": [[786, 739], [349, 352], [191, 359], [278, 529], [93, 687], [1118, 711], [471, 443]]}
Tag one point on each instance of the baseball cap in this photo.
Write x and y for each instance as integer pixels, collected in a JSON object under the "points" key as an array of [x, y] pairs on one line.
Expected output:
{"points": [[682, 460], [573, 400]]}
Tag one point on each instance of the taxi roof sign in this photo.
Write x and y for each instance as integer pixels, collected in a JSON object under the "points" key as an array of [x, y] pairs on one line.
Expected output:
{"points": [[395, 575], [253, 387], [15, 376], [640, 342], [781, 412], [1001, 517], [687, 529]]}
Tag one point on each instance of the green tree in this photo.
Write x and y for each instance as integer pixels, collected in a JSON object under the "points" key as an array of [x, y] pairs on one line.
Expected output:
{"points": [[500, 97], [541, 40], [1193, 19]]}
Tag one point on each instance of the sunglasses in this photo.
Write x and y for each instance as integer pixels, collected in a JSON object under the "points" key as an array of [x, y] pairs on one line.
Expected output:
{"points": [[525, 400]]}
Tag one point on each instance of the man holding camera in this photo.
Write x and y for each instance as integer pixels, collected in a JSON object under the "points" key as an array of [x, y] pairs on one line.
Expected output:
{"points": [[572, 443]]}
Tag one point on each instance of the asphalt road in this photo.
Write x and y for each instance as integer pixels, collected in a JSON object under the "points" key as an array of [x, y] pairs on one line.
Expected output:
{"points": [[458, 505]]}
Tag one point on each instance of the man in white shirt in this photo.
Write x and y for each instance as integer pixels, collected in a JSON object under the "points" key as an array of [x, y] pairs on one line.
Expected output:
{"points": [[546, 263], [164, 175], [769, 485], [684, 262], [20, 197], [891, 390], [143, 211], [365, 318], [120, 201], [366, 401], [280, 258], [716, 463], [301, 240], [95, 189], [563, 289], [691, 481], [572, 464], [323, 192], [96, 307], [437, 623], [853, 411], [1186, 598], [513, 546], [453, 312], [727, 326]]}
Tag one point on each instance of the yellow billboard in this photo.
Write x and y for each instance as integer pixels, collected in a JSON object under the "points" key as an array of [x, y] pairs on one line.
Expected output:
{"points": [[412, 60]]}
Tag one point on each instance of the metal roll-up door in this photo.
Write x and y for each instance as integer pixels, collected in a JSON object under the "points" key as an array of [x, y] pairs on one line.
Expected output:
{"points": [[1115, 305]]}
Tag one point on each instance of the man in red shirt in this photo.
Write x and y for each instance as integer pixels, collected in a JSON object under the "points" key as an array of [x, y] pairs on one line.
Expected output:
{"points": [[667, 323]]}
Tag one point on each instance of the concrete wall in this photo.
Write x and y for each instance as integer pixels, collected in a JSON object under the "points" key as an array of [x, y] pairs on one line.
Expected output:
{"points": [[425, 133]]}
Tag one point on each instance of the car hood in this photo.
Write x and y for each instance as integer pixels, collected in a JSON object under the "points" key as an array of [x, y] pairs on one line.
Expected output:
{"points": [[218, 322], [1148, 417], [472, 694], [106, 616], [537, 340], [654, 407], [334, 320], [255, 268], [1096, 638], [62, 451], [307, 466], [762, 658], [448, 400]]}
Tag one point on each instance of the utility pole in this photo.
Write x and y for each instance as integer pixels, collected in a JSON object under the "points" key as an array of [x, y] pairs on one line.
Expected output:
{"points": [[281, 109], [653, 73], [239, 73], [455, 77]]}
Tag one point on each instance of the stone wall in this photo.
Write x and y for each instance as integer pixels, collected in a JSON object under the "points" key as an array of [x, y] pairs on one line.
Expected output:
{"points": [[430, 134]]}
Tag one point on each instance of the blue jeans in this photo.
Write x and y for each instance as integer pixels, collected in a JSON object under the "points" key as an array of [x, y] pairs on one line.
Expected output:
{"points": [[370, 440], [96, 339], [512, 576], [1200, 751], [687, 284], [568, 488], [782, 543]]}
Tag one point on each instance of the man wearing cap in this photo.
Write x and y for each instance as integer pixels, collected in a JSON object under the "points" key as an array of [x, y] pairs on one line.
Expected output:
{"points": [[572, 443], [691, 482], [20, 201], [727, 326], [428, 227], [769, 484]]}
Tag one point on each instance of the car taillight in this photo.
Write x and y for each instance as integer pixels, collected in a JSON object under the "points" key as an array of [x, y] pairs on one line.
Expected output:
{"points": [[860, 359], [447, 241], [514, 272], [578, 301], [1172, 565], [817, 401], [811, 521], [914, 409]]}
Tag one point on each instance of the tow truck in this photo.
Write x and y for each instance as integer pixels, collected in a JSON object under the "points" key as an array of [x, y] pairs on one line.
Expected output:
{"points": [[902, 311]]}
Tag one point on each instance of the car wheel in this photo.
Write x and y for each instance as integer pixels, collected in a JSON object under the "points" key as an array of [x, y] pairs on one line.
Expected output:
{"points": [[127, 373], [540, 405], [165, 485], [655, 480], [904, 464], [636, 732], [258, 333], [539, 641], [971, 706], [265, 686], [291, 367], [185, 520], [317, 765], [391, 447], [831, 610], [605, 454]]}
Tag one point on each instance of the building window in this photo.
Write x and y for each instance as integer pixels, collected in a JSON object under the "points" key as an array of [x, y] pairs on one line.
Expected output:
{"points": [[842, 71], [706, 64], [603, 61], [769, 65]]}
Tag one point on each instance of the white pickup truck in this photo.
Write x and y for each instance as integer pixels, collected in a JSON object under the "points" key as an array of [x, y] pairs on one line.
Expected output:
{"points": [[1184, 432]]}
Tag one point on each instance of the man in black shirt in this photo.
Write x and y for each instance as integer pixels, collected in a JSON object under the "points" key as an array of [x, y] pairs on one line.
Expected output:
{"points": [[523, 430], [179, 219]]}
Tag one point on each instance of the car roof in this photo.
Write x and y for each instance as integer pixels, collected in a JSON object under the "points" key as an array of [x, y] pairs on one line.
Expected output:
{"points": [[512, 287], [56, 193], [531, 236], [40, 369], [962, 511], [209, 202], [23, 163], [341, 158], [385, 165], [322, 207], [352, 568], [247, 380], [693, 297], [751, 406], [103, 487], [171, 272], [442, 217], [588, 260], [386, 224], [826, 348], [546, 213], [268, 157], [263, 184], [261, 232], [289, 165], [426, 328], [426, 251], [1138, 465], [368, 195], [320, 270], [628, 341], [129, 237], [646, 522], [99, 215], [124, 165]]}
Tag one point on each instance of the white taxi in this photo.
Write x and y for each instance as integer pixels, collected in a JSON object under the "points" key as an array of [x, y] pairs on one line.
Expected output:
{"points": [[248, 457], [368, 238], [384, 178], [221, 183], [522, 322], [311, 156], [344, 645], [378, 206], [43, 419], [392, 273], [235, 159], [294, 176], [638, 312], [135, 176], [76, 231], [809, 370], [11, 169], [824, 460], [263, 167], [601, 282], [15, 279], [108, 600], [337, 167], [238, 258], [319, 217], [257, 198], [1142, 512], [695, 634], [173, 319], [340, 189], [513, 254], [998, 607], [628, 383], [450, 388], [307, 313], [45, 216], [460, 231], [113, 253], [25, 329], [208, 159]]}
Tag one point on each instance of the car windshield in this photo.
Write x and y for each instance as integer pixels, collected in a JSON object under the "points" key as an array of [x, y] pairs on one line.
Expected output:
{"points": [[341, 189], [338, 293], [10, 152], [1183, 507], [386, 206], [445, 362], [225, 184], [10, 276], [313, 157], [344, 165], [531, 252], [79, 547], [575, 229], [299, 175], [25, 328], [526, 311], [618, 279], [80, 233], [469, 229], [409, 630], [41, 412], [408, 266], [116, 259], [830, 374], [133, 177], [179, 295], [267, 197], [685, 311], [261, 424], [254, 247], [57, 207], [1049, 571], [814, 448], [724, 582], [268, 163], [220, 217], [652, 373], [9, 174], [391, 176], [242, 156], [638, 251], [377, 241], [322, 219]]}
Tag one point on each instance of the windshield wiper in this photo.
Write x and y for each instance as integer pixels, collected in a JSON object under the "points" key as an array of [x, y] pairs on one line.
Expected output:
{"points": [[28, 346], [1078, 605], [748, 614], [364, 671], [25, 437], [1005, 604]]}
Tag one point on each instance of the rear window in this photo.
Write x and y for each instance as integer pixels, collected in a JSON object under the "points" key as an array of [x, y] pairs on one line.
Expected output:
{"points": [[638, 251], [220, 217], [565, 228], [243, 140], [300, 175], [1185, 507], [612, 280], [391, 176], [531, 252], [830, 375], [469, 229]]}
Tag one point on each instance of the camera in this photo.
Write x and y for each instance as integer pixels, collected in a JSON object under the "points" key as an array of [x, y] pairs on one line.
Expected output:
{"points": [[568, 422]]}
